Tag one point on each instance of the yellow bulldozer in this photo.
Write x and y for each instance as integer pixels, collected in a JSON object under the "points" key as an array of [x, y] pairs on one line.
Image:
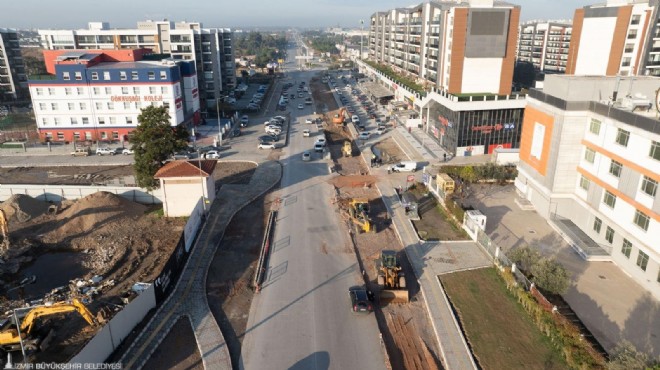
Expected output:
{"points": [[347, 149], [391, 280], [358, 209], [12, 334]]}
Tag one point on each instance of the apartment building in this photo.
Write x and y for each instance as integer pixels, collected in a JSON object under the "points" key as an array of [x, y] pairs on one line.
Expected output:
{"points": [[615, 38], [92, 95], [462, 47], [545, 45], [210, 49], [590, 164], [13, 79]]}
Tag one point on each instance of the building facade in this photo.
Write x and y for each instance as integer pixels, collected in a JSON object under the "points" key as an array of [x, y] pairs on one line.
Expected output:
{"points": [[13, 79], [615, 38], [462, 47], [545, 45], [94, 95], [592, 168], [210, 49]]}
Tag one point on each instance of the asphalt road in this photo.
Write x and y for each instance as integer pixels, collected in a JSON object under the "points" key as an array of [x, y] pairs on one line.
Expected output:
{"points": [[302, 317]]}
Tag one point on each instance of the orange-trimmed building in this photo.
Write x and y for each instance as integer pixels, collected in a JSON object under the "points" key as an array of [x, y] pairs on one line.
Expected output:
{"points": [[591, 166]]}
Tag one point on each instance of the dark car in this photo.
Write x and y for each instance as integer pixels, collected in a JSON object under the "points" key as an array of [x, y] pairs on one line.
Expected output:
{"points": [[275, 138], [360, 301]]}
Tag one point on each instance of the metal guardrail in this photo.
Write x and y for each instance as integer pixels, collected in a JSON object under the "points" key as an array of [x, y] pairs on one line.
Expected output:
{"points": [[265, 250]]}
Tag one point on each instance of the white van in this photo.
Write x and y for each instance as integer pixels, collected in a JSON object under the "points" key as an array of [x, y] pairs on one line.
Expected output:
{"points": [[404, 167]]}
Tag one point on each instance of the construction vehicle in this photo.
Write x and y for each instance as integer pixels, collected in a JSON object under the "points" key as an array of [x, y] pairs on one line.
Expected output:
{"points": [[358, 210], [347, 149], [12, 335], [391, 280], [338, 118]]}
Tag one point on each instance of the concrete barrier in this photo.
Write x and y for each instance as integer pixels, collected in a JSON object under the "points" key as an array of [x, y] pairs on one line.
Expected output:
{"points": [[58, 193]]}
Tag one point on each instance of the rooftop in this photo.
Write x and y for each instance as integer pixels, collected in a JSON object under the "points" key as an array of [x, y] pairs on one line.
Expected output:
{"points": [[186, 169]]}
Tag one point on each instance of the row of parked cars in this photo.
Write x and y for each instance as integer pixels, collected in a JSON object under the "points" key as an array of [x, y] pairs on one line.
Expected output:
{"points": [[273, 129], [257, 98], [84, 151]]}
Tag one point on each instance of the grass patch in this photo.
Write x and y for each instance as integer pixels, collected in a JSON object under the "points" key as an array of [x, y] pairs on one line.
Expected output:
{"points": [[500, 332]]}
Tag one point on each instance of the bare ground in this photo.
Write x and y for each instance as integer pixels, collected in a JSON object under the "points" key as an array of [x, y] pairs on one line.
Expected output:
{"points": [[178, 350]]}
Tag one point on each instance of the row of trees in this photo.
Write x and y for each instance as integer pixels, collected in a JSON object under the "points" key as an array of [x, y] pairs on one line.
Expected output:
{"points": [[324, 43], [265, 47]]}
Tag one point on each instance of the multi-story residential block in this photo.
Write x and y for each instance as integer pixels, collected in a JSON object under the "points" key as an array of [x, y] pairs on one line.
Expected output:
{"points": [[545, 45], [13, 80], [210, 48], [591, 166], [93, 95], [462, 47], [615, 38]]}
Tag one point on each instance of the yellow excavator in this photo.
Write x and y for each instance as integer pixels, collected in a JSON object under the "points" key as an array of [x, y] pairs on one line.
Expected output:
{"points": [[358, 209], [391, 280], [10, 339], [347, 149]]}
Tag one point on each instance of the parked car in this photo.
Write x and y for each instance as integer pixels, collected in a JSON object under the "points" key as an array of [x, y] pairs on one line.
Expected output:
{"points": [[360, 301], [105, 151], [212, 154], [306, 133], [244, 120], [355, 118], [306, 156], [320, 140], [301, 106], [127, 151], [275, 138], [364, 136], [266, 145], [81, 152], [404, 167], [319, 147], [181, 155]]}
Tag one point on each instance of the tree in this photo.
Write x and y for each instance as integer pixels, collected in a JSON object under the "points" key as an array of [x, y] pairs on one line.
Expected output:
{"points": [[627, 357], [524, 257], [154, 141], [467, 174], [550, 275]]}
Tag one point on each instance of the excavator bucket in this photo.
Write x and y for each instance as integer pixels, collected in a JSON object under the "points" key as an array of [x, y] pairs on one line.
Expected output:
{"points": [[388, 296]]}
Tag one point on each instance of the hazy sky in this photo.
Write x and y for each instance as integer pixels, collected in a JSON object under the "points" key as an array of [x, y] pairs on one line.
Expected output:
{"points": [[67, 14]]}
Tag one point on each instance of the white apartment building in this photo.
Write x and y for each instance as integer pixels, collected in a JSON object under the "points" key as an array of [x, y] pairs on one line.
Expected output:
{"points": [[591, 166], [13, 79], [210, 48], [545, 45]]}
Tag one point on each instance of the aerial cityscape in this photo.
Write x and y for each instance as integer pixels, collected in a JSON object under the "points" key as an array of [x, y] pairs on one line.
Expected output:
{"points": [[443, 184]]}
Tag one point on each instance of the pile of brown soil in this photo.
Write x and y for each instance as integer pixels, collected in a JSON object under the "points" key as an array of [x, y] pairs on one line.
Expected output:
{"points": [[23, 208]]}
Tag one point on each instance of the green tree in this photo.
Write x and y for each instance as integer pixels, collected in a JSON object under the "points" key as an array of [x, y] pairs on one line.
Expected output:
{"points": [[551, 276], [154, 141], [524, 257], [627, 357], [468, 175]]}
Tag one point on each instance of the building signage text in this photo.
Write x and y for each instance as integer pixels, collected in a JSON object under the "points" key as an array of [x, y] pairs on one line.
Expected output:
{"points": [[136, 98]]}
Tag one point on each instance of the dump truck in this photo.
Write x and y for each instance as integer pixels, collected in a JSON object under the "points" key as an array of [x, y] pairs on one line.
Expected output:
{"points": [[347, 149], [13, 333], [358, 210], [391, 280]]}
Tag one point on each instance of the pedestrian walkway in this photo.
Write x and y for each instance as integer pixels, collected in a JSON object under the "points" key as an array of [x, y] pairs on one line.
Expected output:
{"points": [[189, 295]]}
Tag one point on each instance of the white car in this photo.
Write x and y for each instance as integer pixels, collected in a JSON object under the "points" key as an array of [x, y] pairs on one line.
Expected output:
{"points": [[272, 127], [364, 136], [280, 118], [266, 146], [355, 119], [306, 156], [306, 133], [212, 154], [127, 151], [309, 121], [104, 151], [380, 131], [301, 106], [320, 140]]}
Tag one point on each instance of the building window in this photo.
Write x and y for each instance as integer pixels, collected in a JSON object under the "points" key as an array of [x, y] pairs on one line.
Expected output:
{"points": [[39, 90], [127, 105], [78, 76], [598, 223], [106, 75], [53, 106], [95, 76], [136, 90], [134, 75], [152, 90], [167, 106], [101, 120], [88, 135], [74, 120], [71, 106], [655, 150], [632, 34], [44, 121], [649, 186], [113, 120], [76, 136], [584, 183], [152, 75], [42, 106], [108, 90], [594, 126], [79, 90], [609, 234], [97, 91], [163, 89], [115, 135], [589, 155], [56, 121], [111, 105], [51, 91], [66, 76], [626, 247], [122, 75], [104, 135], [85, 121], [642, 260], [99, 105], [67, 91], [163, 75], [609, 199], [124, 90], [129, 120], [641, 220], [60, 136], [615, 168], [635, 19], [622, 137], [83, 106]]}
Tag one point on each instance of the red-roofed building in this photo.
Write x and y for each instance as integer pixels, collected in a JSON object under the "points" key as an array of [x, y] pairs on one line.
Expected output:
{"points": [[183, 183]]}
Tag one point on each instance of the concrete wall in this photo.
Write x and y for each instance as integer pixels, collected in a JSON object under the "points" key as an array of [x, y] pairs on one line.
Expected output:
{"points": [[113, 333], [57, 193]]}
